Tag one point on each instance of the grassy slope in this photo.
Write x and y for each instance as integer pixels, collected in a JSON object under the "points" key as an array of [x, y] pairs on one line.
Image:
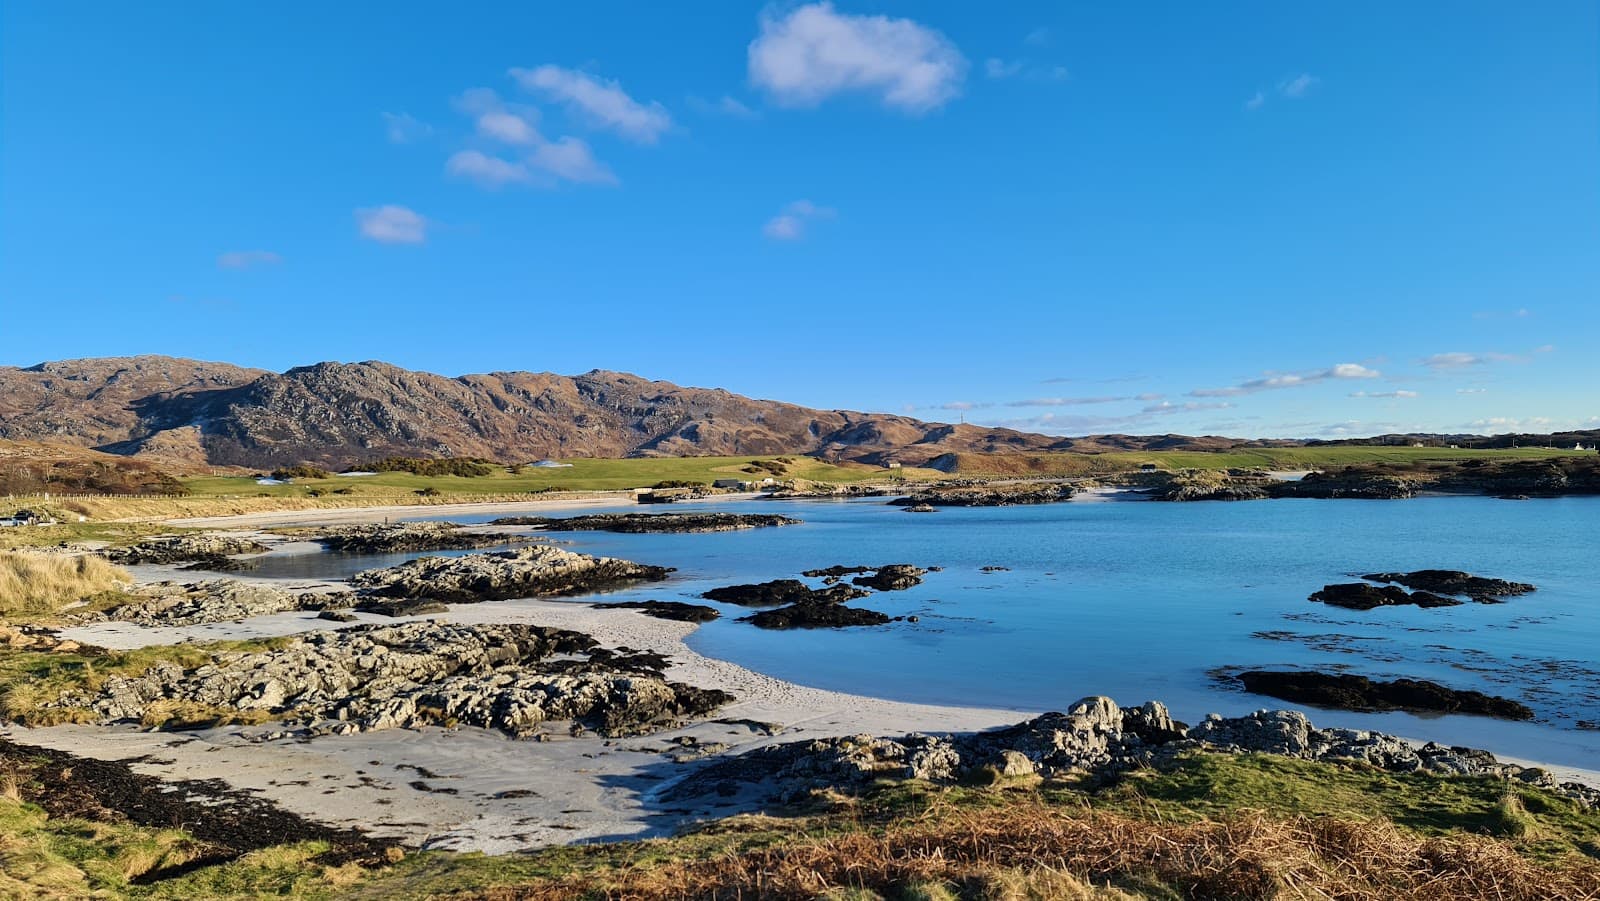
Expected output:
{"points": [[1156, 835], [36, 585]]}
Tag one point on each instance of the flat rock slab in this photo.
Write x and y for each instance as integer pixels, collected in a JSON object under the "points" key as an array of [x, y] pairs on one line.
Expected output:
{"points": [[1343, 691]]}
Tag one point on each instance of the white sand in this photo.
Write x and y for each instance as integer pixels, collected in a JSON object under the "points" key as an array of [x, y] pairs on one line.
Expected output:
{"points": [[432, 511]]}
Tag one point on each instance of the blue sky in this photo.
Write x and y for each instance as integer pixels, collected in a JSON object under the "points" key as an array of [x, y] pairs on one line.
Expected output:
{"points": [[1243, 218]]}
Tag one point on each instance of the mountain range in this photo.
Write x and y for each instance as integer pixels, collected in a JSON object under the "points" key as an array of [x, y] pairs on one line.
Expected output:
{"points": [[341, 414]]}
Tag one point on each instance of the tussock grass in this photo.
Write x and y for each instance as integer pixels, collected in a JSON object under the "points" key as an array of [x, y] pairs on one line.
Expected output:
{"points": [[1031, 849], [34, 585]]}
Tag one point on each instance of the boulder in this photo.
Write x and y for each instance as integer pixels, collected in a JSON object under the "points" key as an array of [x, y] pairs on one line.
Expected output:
{"points": [[538, 571]]}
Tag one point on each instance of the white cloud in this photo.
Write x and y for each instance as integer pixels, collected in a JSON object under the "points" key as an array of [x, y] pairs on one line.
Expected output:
{"points": [[247, 259], [997, 68], [570, 158], [403, 128], [488, 171], [1297, 86], [508, 128], [814, 53], [1500, 425], [790, 225], [1401, 393], [1255, 102], [392, 224], [1039, 37], [1272, 381], [1522, 313], [603, 103], [1472, 390]]}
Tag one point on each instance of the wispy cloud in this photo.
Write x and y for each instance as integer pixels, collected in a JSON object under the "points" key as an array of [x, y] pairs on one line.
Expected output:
{"points": [[403, 128], [791, 224], [723, 106], [1274, 381], [997, 68], [1061, 424], [1399, 393], [1298, 86], [1039, 37], [814, 52], [1472, 390], [1523, 313], [392, 224], [1256, 101], [247, 259], [1500, 425], [1462, 360], [601, 101]]}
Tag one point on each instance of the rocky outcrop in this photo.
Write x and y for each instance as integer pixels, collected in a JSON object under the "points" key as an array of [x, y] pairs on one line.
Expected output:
{"points": [[893, 577], [509, 677], [165, 604], [1361, 596], [673, 610], [816, 615], [651, 522], [405, 537], [1343, 691], [530, 572], [1005, 495], [1093, 737], [1349, 483], [783, 591], [1209, 485], [182, 549], [1449, 581]]}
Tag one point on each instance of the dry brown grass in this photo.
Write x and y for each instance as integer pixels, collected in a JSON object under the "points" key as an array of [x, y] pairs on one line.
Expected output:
{"points": [[1021, 851], [33, 584]]}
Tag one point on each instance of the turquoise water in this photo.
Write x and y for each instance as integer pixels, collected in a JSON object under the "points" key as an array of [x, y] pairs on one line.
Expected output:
{"points": [[1141, 600]]}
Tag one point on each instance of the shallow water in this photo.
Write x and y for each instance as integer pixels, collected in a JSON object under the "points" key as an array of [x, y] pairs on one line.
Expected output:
{"points": [[1141, 600]]}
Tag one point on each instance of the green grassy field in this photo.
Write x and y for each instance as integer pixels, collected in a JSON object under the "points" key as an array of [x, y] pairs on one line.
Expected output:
{"points": [[1283, 458], [582, 475]]}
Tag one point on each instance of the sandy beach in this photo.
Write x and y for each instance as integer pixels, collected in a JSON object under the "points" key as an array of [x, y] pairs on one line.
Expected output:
{"points": [[471, 789]]}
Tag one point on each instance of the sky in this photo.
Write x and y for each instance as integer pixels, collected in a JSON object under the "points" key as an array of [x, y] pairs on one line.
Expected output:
{"points": [[1246, 218]]}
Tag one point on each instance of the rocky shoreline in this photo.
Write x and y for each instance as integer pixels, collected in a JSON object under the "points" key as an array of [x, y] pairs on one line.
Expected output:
{"points": [[1093, 738], [406, 537], [530, 572]]}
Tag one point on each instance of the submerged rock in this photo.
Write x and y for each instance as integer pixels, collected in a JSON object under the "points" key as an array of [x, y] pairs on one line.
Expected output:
{"points": [[673, 610], [510, 677], [1361, 596], [539, 571], [182, 549], [651, 522], [783, 591], [1343, 691]]}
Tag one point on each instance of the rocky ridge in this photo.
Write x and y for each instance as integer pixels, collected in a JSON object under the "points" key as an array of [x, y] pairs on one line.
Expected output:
{"points": [[404, 537], [168, 604]]}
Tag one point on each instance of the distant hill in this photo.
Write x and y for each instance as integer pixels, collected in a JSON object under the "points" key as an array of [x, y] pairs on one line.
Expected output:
{"points": [[341, 414]]}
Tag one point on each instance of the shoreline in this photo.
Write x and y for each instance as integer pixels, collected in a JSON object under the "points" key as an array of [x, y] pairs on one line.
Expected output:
{"points": [[471, 786], [346, 515]]}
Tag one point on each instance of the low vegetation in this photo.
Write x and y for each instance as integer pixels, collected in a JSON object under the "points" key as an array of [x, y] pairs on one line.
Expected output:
{"points": [[1278, 458], [1217, 827], [35, 585], [302, 471]]}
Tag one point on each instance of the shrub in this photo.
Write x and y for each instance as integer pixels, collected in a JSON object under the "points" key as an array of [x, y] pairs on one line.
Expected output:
{"points": [[466, 467], [678, 483], [300, 471]]}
